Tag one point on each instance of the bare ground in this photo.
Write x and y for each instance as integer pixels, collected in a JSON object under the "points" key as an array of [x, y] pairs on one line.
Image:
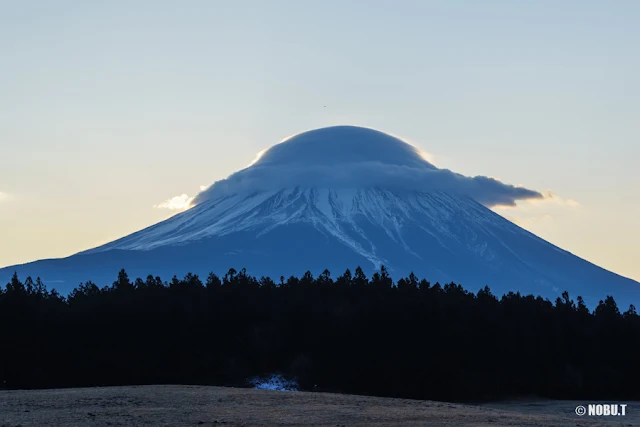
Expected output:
{"points": [[162, 405]]}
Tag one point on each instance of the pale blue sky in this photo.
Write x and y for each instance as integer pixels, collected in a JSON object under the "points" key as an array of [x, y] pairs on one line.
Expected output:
{"points": [[109, 108]]}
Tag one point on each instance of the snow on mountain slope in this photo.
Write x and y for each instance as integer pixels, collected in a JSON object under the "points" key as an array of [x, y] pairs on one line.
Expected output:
{"points": [[335, 212], [341, 197]]}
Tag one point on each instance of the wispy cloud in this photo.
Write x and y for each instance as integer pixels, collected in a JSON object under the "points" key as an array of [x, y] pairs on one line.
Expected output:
{"points": [[551, 197], [4, 196], [177, 203], [548, 198]]}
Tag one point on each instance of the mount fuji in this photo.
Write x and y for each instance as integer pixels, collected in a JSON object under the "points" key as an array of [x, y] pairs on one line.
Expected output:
{"points": [[340, 197]]}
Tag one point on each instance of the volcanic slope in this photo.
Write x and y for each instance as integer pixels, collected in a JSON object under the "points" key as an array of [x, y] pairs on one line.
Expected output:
{"points": [[335, 198]]}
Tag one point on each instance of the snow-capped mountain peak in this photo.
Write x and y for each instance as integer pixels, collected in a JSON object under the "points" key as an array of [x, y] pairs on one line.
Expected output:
{"points": [[340, 197]]}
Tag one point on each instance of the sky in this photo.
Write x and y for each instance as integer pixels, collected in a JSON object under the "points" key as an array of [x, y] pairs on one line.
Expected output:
{"points": [[112, 113]]}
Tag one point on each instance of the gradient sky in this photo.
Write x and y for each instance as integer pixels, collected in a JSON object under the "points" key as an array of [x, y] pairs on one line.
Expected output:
{"points": [[108, 109]]}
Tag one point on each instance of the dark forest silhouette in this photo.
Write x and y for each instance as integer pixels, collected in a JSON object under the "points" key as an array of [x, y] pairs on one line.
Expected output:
{"points": [[352, 335]]}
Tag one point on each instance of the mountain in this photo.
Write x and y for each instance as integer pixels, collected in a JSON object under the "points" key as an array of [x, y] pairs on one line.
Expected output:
{"points": [[339, 197]]}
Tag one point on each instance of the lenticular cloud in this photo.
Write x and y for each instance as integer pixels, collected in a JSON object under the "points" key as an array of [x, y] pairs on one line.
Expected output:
{"points": [[354, 157]]}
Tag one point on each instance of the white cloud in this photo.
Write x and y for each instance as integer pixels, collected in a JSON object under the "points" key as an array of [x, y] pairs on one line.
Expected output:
{"points": [[259, 155], [4, 196], [181, 202]]}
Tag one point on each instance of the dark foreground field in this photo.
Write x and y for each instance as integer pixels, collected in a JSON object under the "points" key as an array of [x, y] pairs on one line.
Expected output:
{"points": [[217, 406]]}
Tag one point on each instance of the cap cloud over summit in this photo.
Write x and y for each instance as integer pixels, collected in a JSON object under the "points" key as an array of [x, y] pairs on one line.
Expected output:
{"points": [[355, 157]]}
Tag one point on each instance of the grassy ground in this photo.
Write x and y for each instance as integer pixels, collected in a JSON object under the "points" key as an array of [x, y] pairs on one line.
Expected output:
{"points": [[219, 406]]}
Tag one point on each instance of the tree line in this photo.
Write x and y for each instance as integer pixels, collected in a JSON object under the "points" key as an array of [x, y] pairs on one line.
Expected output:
{"points": [[351, 334]]}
